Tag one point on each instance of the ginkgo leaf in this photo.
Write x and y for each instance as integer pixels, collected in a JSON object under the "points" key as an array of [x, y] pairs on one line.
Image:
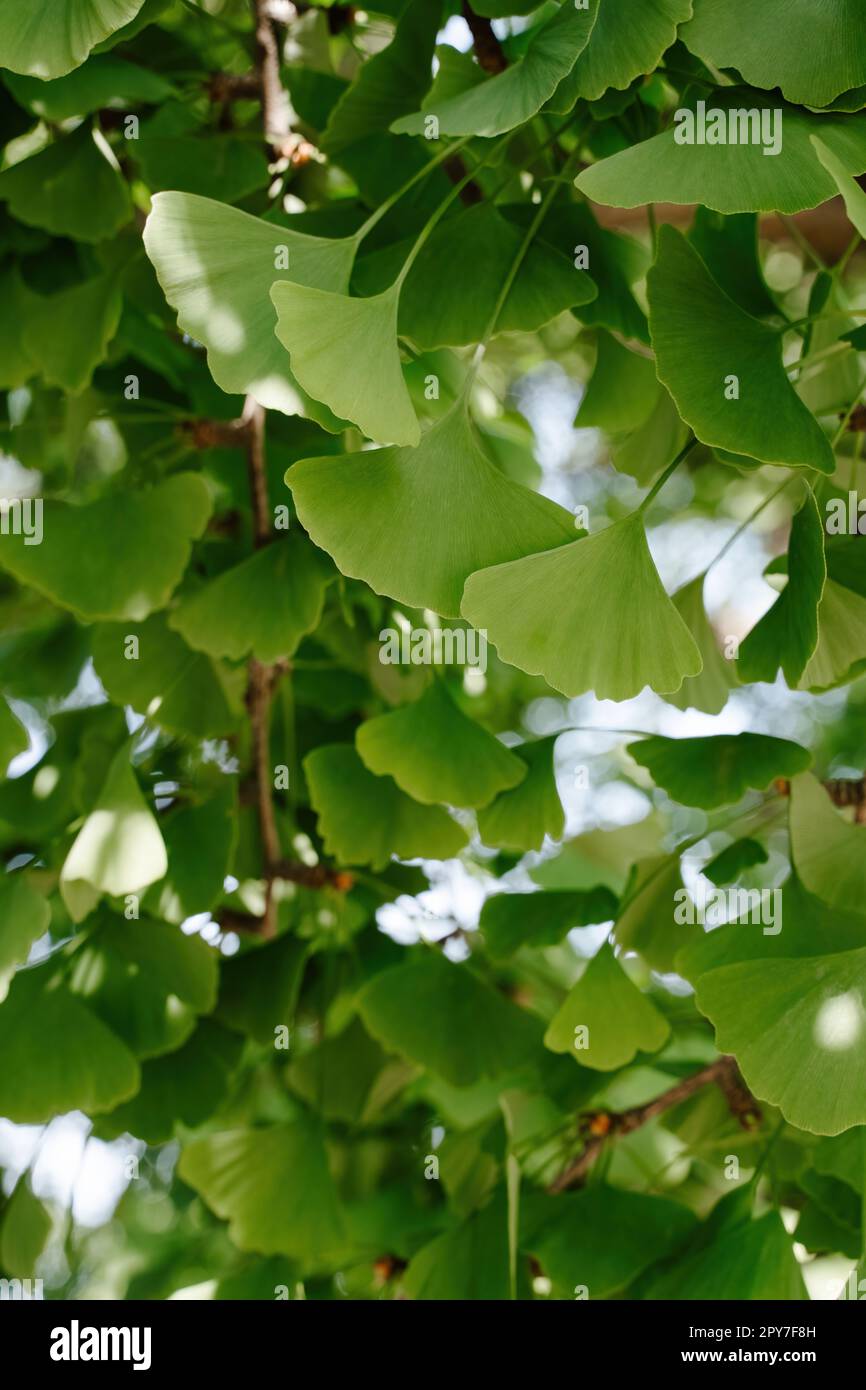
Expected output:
{"points": [[710, 689], [73, 187], [194, 881], [519, 819], [24, 1230], [605, 1020], [364, 819], [445, 1018], [259, 990], [622, 390], [801, 1044], [646, 920], [469, 1262], [216, 266], [813, 52], [119, 848], [436, 753], [146, 980], [623, 45], [24, 917], [723, 367], [654, 444], [58, 1056], [637, 636], [717, 771], [76, 565], [67, 335], [841, 651], [733, 1258], [264, 606], [415, 523], [101, 83], [344, 353], [51, 37], [602, 1238], [222, 166], [182, 1088], [272, 1185], [511, 920], [513, 96], [787, 635], [468, 257], [388, 83], [615, 262], [162, 677], [827, 850], [735, 177], [730, 863], [728, 247], [13, 736], [852, 193]]}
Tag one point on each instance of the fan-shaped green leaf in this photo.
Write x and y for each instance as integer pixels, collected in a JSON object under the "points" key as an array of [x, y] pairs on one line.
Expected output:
{"points": [[468, 258], [512, 920], [272, 1186], [146, 980], [365, 819], [162, 677], [801, 1044], [389, 84], [622, 390], [51, 37], [624, 44], [58, 1056], [436, 753], [416, 523], [344, 353], [101, 82], [723, 367], [513, 96], [605, 1020], [787, 635], [24, 917], [119, 848], [76, 564], [67, 335], [709, 690], [738, 1259], [520, 818], [841, 651], [535, 612], [443, 1017], [259, 989], [731, 177], [716, 771], [813, 52], [216, 266], [825, 848], [24, 1230], [263, 606], [73, 187]]}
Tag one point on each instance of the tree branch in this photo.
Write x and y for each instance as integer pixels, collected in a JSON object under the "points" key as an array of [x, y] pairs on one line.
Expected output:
{"points": [[602, 1126], [488, 49], [842, 791]]}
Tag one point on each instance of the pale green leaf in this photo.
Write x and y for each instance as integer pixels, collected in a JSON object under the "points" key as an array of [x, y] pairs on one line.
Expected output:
{"points": [[619, 1021], [50, 37], [535, 611]]}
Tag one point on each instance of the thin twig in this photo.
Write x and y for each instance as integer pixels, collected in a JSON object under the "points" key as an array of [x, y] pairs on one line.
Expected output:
{"points": [[602, 1126]]}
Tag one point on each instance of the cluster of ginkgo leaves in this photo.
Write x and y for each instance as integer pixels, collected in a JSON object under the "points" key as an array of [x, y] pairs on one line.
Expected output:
{"points": [[301, 279]]}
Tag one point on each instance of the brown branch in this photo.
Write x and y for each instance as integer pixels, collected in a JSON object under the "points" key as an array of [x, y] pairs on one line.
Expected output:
{"points": [[842, 791], [601, 1126], [488, 49], [275, 101]]}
